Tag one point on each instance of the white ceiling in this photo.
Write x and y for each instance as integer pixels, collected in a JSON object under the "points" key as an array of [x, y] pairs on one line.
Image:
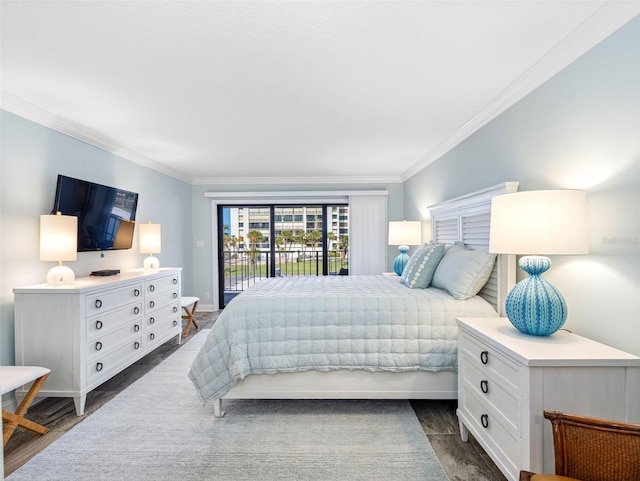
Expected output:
{"points": [[233, 91]]}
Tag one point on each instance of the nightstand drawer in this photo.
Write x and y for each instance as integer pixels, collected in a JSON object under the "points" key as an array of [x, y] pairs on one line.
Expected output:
{"points": [[491, 432], [490, 390], [491, 361]]}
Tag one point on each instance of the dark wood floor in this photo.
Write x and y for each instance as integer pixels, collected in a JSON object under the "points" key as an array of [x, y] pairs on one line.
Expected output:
{"points": [[461, 461]]}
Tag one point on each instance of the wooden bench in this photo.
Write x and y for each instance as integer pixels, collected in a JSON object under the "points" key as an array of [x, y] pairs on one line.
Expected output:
{"points": [[11, 378], [190, 314]]}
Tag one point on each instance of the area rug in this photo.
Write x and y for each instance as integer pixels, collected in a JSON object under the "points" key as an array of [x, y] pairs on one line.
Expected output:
{"points": [[157, 429]]}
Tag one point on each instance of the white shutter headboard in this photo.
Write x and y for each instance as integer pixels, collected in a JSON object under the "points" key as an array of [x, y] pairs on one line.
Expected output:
{"points": [[467, 219]]}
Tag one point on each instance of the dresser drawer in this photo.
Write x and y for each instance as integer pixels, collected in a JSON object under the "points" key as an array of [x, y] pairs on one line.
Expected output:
{"points": [[489, 389], [491, 361], [490, 431], [107, 300], [102, 366], [161, 284], [105, 343], [101, 324], [159, 332], [161, 300], [161, 314]]}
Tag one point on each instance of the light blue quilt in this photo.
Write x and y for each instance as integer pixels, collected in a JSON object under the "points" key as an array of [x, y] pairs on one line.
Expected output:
{"points": [[288, 324]]}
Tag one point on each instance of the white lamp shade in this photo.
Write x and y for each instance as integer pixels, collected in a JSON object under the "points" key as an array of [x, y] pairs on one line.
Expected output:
{"points": [[405, 232], [546, 222], [150, 239], [58, 238]]}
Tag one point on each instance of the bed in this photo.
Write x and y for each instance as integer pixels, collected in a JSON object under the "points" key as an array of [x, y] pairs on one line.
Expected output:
{"points": [[361, 337]]}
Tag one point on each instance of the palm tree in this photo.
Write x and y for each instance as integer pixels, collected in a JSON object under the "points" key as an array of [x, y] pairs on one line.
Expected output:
{"points": [[255, 237]]}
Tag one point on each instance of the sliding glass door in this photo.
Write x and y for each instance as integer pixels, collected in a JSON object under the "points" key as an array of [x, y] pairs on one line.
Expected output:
{"points": [[260, 241]]}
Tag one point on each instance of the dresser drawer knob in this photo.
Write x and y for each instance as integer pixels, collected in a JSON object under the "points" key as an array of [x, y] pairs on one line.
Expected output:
{"points": [[484, 419], [152, 303], [136, 345], [99, 367], [484, 357], [152, 320], [175, 323], [484, 385], [98, 324], [98, 304], [175, 281], [152, 336], [175, 309], [98, 346], [136, 310], [136, 328], [136, 292], [175, 295], [152, 288]]}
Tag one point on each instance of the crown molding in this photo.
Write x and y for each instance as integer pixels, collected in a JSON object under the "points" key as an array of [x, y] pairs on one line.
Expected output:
{"points": [[28, 111], [295, 180], [609, 18]]}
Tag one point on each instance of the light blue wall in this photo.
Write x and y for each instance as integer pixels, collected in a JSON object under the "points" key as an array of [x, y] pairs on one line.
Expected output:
{"points": [[32, 156], [581, 129]]}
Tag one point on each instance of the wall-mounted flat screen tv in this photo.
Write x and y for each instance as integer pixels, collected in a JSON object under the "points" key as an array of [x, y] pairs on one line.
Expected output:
{"points": [[106, 215]]}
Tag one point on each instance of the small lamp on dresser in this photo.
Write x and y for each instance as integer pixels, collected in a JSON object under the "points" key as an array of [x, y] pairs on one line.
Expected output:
{"points": [[150, 243], [550, 222], [404, 234], [58, 242]]}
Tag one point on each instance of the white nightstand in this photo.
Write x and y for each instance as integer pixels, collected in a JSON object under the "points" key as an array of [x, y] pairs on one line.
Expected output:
{"points": [[506, 380]]}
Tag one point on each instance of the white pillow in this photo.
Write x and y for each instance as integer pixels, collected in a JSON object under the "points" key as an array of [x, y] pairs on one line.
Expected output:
{"points": [[462, 271]]}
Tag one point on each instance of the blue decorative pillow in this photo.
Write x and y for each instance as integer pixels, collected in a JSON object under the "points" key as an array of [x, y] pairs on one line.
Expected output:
{"points": [[418, 272], [463, 272]]}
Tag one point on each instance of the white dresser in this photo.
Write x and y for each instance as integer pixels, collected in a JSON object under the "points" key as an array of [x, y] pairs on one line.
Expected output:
{"points": [[506, 380], [91, 330]]}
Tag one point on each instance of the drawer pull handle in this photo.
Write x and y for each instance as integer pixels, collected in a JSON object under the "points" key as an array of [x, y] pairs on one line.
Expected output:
{"points": [[136, 328], [152, 288], [175, 323], [99, 367], [484, 419], [175, 295], [98, 324], [136, 292], [152, 303], [98, 346], [484, 357], [152, 320], [152, 336], [484, 385], [136, 345], [136, 310], [175, 309], [175, 281], [98, 304]]}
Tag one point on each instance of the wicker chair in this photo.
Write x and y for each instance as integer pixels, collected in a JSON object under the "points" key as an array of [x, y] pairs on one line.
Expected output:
{"points": [[590, 449]]}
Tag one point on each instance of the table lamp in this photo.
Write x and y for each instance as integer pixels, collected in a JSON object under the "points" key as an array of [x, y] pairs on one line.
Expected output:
{"points": [[150, 243], [58, 242], [548, 222], [404, 234]]}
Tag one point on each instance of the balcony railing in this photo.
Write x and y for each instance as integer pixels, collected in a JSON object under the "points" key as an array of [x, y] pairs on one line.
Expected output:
{"points": [[245, 268]]}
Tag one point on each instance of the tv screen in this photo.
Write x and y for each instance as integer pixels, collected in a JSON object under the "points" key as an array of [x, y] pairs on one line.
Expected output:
{"points": [[105, 214]]}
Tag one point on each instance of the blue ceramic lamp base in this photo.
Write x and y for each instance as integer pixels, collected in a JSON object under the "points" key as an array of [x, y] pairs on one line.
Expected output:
{"points": [[534, 306], [401, 260]]}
